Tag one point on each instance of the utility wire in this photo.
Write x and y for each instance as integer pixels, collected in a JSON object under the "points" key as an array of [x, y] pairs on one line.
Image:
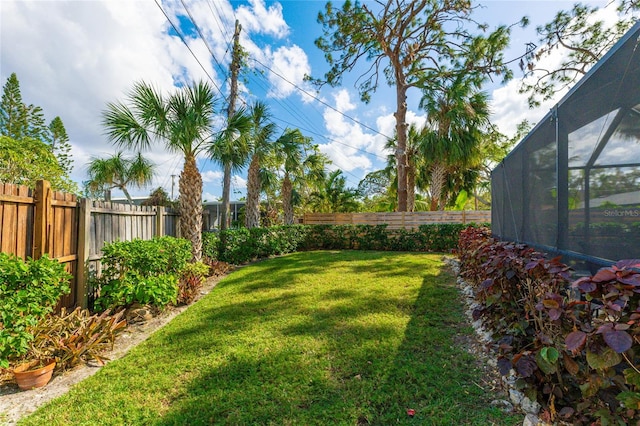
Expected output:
{"points": [[187, 45], [204, 40], [300, 89]]}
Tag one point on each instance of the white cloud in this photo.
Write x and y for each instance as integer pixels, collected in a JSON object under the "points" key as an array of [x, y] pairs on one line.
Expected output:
{"points": [[261, 19], [212, 176], [291, 64]]}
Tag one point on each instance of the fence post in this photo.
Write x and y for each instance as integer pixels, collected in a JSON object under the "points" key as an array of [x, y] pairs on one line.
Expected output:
{"points": [[84, 243], [42, 219], [159, 221]]}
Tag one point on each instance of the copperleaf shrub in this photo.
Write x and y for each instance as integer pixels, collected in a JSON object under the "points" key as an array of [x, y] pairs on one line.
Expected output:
{"points": [[190, 281], [75, 337], [572, 346], [141, 271], [29, 290]]}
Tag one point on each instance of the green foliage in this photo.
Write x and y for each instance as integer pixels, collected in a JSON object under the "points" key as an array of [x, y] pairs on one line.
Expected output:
{"points": [[28, 291], [76, 336], [574, 347], [141, 271], [242, 245], [210, 243], [118, 171], [25, 161]]}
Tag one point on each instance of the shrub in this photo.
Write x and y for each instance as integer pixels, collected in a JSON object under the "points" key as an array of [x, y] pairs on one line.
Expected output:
{"points": [[28, 291], [574, 348], [243, 245], [190, 282], [210, 243], [141, 271]]}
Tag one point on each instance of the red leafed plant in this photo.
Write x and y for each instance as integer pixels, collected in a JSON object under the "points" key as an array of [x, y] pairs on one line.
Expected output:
{"points": [[575, 348]]}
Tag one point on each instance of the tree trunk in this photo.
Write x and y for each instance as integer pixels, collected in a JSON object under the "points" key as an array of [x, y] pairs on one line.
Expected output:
{"points": [[401, 149], [411, 188], [252, 208], [226, 191], [287, 205], [438, 176], [190, 188]]}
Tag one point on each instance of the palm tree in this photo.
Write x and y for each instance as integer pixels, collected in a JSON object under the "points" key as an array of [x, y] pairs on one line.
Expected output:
{"points": [[231, 150], [457, 117], [333, 195], [302, 162], [261, 139], [180, 121], [119, 172]]}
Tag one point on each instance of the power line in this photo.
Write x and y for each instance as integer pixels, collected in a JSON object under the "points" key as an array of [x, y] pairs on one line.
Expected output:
{"points": [[300, 89], [187, 45], [204, 40]]}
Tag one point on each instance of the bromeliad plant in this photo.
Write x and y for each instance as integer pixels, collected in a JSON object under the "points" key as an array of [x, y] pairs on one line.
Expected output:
{"points": [[575, 348], [76, 336]]}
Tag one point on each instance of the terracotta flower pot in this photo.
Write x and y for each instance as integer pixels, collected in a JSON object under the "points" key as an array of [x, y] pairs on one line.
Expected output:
{"points": [[29, 377]]}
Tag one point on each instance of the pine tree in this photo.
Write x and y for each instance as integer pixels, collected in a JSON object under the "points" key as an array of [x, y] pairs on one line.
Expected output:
{"points": [[60, 145], [13, 113]]}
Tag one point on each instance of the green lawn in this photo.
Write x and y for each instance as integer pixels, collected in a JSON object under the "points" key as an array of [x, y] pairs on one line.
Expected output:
{"points": [[326, 338]]}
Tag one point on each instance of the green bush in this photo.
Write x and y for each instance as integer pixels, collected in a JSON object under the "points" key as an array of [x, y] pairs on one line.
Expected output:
{"points": [[141, 271], [28, 291], [242, 245], [210, 244]]}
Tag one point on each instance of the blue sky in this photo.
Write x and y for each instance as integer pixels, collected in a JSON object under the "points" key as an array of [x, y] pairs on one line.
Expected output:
{"points": [[72, 57]]}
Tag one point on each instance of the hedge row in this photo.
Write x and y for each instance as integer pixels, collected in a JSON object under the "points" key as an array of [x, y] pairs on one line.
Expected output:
{"points": [[242, 245], [574, 347]]}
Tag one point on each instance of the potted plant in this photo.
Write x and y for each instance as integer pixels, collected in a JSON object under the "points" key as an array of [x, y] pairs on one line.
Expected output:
{"points": [[34, 374]]}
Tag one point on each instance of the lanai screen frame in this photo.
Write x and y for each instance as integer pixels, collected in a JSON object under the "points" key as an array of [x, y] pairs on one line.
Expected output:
{"points": [[533, 187]]}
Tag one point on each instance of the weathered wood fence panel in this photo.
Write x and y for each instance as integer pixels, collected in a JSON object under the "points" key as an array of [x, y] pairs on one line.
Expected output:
{"points": [[17, 209], [42, 221], [398, 220]]}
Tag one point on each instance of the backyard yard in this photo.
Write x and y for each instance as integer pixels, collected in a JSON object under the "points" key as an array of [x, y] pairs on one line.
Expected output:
{"points": [[331, 337]]}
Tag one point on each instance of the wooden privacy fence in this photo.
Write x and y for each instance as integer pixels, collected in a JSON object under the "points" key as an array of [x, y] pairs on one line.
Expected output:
{"points": [[35, 222], [398, 220]]}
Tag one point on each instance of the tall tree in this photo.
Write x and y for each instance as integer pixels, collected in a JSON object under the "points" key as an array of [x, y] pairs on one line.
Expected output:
{"points": [[231, 150], [261, 142], [119, 172], [301, 162], [25, 161], [180, 121], [13, 114], [582, 41], [414, 44], [60, 144], [458, 117]]}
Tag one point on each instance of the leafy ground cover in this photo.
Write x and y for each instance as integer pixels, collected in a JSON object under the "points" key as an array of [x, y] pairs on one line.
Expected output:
{"points": [[333, 337]]}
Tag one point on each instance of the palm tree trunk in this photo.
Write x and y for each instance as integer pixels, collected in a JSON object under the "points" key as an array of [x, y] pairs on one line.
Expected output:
{"points": [[190, 188], [438, 175], [226, 191], [287, 204], [252, 208]]}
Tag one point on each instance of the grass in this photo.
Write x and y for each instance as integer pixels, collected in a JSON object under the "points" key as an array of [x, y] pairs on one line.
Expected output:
{"points": [[313, 338]]}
